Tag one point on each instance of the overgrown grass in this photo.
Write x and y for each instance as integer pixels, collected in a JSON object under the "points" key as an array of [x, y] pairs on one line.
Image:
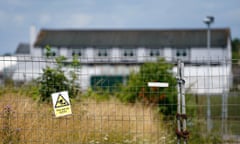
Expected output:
{"points": [[197, 111], [98, 117], [92, 122]]}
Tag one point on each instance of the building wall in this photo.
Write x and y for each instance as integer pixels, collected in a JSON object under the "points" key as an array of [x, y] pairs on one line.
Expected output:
{"points": [[37, 52], [201, 54], [87, 71], [89, 55], [64, 52], [142, 55], [167, 52], [197, 78], [115, 54], [204, 79]]}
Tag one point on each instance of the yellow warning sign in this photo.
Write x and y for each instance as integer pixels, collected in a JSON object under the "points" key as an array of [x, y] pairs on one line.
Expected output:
{"points": [[61, 104]]}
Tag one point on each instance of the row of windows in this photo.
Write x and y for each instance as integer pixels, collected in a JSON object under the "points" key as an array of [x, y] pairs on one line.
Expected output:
{"points": [[106, 52], [126, 52], [102, 52]]}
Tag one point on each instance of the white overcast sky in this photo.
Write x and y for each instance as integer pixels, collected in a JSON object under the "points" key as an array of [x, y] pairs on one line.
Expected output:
{"points": [[16, 16]]}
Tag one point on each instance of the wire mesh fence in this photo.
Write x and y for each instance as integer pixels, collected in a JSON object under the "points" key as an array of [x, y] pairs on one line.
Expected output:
{"points": [[112, 103]]}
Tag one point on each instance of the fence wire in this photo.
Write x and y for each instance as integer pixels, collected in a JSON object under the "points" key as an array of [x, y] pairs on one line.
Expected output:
{"points": [[111, 102]]}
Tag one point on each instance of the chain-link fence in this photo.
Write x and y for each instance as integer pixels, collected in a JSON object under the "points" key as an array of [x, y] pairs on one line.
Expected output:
{"points": [[112, 103]]}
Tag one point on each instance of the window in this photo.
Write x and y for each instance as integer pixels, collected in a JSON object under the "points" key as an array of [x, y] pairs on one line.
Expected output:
{"points": [[154, 53], [181, 52], [78, 52], [54, 51], [128, 54], [102, 53]]}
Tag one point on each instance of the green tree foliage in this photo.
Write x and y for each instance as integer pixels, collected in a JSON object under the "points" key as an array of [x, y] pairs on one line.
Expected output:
{"points": [[137, 89], [236, 48], [54, 77]]}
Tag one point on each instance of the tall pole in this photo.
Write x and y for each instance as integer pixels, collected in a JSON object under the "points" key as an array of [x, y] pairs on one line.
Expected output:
{"points": [[208, 21], [209, 124]]}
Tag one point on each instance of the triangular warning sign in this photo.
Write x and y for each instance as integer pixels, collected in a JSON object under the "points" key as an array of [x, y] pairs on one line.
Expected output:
{"points": [[61, 102]]}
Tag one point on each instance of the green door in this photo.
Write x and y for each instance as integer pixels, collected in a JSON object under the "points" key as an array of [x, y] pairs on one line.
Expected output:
{"points": [[109, 83]]}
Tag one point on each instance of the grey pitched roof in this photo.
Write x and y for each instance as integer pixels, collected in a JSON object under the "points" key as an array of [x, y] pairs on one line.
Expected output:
{"points": [[132, 38], [23, 48]]}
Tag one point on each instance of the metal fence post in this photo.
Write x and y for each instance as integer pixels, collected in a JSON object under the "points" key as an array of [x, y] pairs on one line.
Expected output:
{"points": [[178, 102], [181, 106], [184, 117]]}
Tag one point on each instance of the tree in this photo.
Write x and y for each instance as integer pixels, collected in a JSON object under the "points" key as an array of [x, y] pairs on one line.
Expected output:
{"points": [[137, 89], [236, 48]]}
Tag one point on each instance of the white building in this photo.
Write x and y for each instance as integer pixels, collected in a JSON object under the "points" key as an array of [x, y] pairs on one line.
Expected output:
{"points": [[113, 54], [7, 64]]}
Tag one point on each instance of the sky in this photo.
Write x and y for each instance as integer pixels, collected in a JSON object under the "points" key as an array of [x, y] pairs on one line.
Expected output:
{"points": [[16, 16]]}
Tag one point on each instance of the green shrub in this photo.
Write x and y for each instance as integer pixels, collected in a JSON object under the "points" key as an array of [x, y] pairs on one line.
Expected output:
{"points": [[54, 78], [137, 88]]}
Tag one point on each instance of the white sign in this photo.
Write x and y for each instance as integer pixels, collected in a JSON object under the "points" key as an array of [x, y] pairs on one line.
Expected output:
{"points": [[157, 84], [61, 104]]}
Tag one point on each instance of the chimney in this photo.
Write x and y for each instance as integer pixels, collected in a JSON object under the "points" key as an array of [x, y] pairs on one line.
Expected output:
{"points": [[32, 34]]}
